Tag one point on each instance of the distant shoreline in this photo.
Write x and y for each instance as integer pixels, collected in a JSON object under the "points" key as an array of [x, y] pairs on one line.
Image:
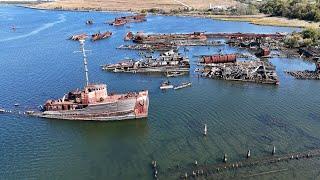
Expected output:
{"points": [[260, 19]]}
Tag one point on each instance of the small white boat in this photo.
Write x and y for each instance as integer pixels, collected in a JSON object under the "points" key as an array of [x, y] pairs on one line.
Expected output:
{"points": [[2, 110], [183, 85], [166, 85]]}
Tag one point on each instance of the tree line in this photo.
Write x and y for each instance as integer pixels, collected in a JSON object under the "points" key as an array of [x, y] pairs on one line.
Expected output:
{"points": [[299, 9]]}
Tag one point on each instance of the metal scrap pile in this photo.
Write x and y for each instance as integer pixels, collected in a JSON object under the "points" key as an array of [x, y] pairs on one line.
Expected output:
{"points": [[250, 71]]}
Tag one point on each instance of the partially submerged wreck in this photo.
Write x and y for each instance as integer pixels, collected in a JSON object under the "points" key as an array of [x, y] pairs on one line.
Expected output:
{"points": [[99, 36], [128, 19], [78, 37], [168, 38], [149, 47], [167, 62], [307, 74], [249, 71]]}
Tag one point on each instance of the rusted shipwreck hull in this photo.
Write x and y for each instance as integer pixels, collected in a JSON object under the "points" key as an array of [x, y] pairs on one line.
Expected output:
{"points": [[165, 38], [166, 62], [78, 37], [128, 19], [94, 104], [99, 36], [217, 58]]}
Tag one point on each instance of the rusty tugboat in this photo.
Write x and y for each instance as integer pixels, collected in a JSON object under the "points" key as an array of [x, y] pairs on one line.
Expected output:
{"points": [[94, 104]]}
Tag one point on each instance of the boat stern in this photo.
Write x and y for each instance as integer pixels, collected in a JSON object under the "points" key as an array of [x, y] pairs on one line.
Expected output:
{"points": [[142, 104]]}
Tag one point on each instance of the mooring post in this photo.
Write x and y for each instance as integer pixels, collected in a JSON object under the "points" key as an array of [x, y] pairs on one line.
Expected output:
{"points": [[225, 158], [274, 150]]}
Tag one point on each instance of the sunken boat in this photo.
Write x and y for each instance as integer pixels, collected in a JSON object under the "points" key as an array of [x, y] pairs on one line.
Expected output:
{"points": [[306, 74], [128, 19], [78, 37], [93, 103], [99, 36], [167, 62]]}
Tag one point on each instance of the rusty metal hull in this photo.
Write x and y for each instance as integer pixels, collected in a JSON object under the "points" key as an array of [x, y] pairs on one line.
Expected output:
{"points": [[123, 109]]}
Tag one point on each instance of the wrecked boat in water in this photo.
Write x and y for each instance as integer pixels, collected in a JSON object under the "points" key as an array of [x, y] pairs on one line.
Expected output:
{"points": [[166, 38], [128, 19], [166, 62], [306, 74], [249, 71], [99, 36], [149, 47], [89, 22], [78, 37], [93, 103]]}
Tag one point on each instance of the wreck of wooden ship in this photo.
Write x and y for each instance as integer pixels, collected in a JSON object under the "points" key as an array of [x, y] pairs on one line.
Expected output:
{"points": [[167, 62], [248, 71], [78, 37], [93, 103], [128, 19], [99, 36]]}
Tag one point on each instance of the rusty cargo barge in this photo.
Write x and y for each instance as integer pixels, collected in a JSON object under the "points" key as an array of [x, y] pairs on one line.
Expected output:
{"points": [[93, 103], [167, 62]]}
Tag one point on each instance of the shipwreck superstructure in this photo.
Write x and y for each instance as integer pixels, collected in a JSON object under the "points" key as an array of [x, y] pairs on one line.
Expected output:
{"points": [[94, 103], [167, 62]]}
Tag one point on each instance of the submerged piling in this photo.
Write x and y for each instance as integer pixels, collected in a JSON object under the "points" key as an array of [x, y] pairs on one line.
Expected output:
{"points": [[225, 158], [273, 150], [205, 129]]}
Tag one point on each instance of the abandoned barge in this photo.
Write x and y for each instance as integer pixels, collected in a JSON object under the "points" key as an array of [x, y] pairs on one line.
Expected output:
{"points": [[249, 71], [93, 103], [167, 62]]}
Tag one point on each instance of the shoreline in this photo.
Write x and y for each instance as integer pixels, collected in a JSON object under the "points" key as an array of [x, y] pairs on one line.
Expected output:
{"points": [[260, 19]]}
